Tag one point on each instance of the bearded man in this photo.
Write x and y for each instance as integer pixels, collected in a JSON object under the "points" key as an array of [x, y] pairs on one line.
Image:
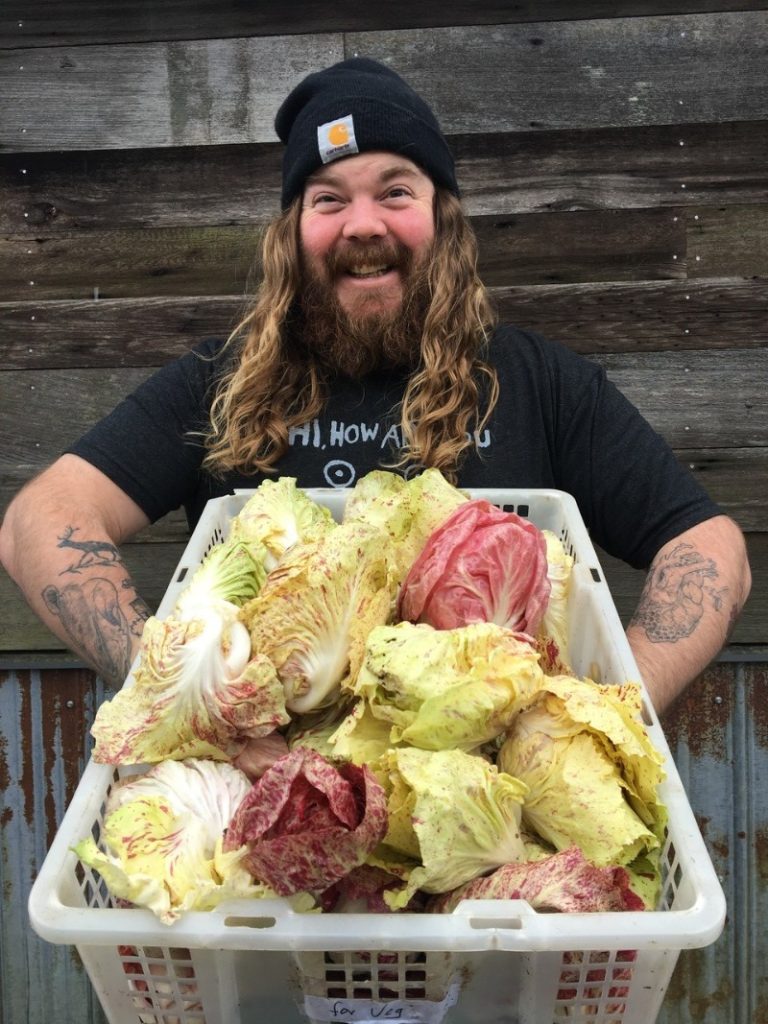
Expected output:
{"points": [[372, 344]]}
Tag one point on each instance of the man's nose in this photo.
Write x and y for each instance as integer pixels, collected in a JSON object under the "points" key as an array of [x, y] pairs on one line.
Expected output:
{"points": [[363, 220]]}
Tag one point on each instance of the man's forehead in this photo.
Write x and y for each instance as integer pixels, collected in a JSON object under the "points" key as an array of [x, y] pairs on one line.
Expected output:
{"points": [[385, 167]]}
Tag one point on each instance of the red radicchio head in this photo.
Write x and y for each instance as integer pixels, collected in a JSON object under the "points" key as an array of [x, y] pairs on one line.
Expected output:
{"points": [[307, 822]]}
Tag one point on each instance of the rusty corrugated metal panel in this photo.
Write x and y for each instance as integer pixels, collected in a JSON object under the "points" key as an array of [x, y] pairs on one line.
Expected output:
{"points": [[45, 719], [719, 735]]}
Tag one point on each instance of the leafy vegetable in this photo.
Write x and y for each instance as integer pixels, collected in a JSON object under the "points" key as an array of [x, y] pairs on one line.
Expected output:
{"points": [[308, 822], [316, 728], [316, 608], [260, 753], [362, 891], [400, 765], [361, 737], [195, 690], [441, 689], [229, 574], [481, 565], [591, 770], [564, 882], [163, 837], [278, 516], [553, 631], [409, 510], [194, 693], [452, 816]]}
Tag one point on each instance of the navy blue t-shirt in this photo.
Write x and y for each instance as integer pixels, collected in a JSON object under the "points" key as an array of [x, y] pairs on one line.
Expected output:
{"points": [[559, 423]]}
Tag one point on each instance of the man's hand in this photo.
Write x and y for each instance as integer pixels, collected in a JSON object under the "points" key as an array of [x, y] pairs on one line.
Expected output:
{"points": [[693, 594]]}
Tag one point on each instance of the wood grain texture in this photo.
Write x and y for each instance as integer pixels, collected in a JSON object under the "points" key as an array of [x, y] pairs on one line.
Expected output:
{"points": [[703, 399], [478, 78], [111, 332], [626, 168], [727, 236], [193, 186], [135, 95], [613, 245], [645, 315], [161, 261], [590, 317], [81, 22], [613, 168], [572, 74]]}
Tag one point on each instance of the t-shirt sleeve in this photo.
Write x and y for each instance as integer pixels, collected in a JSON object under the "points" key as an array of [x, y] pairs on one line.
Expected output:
{"points": [[633, 492], [147, 444]]}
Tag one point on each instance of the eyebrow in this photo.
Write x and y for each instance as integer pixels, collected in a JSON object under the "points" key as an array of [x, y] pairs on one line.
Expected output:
{"points": [[327, 177]]}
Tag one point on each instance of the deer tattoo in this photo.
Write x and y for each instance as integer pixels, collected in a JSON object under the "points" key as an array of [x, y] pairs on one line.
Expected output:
{"points": [[92, 552]]}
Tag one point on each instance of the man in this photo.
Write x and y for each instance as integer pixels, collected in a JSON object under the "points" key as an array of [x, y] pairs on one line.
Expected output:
{"points": [[372, 343]]}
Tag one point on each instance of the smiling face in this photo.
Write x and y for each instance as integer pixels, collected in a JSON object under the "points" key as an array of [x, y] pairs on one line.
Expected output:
{"points": [[366, 225]]}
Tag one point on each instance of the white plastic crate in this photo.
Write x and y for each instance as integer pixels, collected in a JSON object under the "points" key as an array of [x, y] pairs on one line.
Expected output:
{"points": [[490, 962]]}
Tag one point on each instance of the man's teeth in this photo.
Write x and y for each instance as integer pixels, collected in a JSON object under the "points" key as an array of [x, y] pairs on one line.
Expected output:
{"points": [[369, 271]]}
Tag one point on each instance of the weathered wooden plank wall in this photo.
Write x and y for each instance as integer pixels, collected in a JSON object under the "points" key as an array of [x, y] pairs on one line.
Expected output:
{"points": [[614, 161], [627, 216]]}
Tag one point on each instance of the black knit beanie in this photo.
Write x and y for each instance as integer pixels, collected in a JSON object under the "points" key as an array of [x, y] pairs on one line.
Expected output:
{"points": [[352, 107]]}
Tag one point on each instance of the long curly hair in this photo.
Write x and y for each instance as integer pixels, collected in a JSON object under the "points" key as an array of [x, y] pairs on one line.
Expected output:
{"points": [[269, 388]]}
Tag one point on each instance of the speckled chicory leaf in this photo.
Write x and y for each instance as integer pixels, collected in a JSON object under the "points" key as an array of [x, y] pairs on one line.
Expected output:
{"points": [[307, 822], [564, 882]]}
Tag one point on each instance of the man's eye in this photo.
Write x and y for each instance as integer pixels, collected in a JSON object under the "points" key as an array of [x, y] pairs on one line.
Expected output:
{"points": [[323, 198], [398, 192]]}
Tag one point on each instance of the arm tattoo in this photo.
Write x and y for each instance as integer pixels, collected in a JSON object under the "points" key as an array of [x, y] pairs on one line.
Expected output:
{"points": [[675, 594], [93, 619], [140, 610], [90, 611], [91, 552]]}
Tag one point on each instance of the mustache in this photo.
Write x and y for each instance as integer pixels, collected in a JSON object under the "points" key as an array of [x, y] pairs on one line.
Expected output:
{"points": [[357, 255]]}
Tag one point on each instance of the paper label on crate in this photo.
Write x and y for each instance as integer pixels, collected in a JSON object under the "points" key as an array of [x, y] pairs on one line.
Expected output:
{"points": [[371, 1011]]}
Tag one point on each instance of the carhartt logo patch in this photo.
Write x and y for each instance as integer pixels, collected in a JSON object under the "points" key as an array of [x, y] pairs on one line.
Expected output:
{"points": [[336, 139]]}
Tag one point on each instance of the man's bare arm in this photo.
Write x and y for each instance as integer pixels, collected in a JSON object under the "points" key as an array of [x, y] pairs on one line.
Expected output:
{"points": [[59, 542], [693, 594]]}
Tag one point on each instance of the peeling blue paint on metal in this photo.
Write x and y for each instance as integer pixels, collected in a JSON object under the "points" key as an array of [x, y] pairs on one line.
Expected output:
{"points": [[721, 753], [39, 982], [719, 738]]}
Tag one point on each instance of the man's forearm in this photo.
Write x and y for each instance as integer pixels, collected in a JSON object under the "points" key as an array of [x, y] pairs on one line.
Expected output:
{"points": [[86, 597], [693, 594], [74, 579]]}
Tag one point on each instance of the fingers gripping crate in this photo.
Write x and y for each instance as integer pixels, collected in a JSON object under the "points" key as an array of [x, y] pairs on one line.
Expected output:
{"points": [[488, 962]]}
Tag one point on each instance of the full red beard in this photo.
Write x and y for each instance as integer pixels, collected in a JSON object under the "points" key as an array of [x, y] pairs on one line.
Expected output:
{"points": [[369, 338]]}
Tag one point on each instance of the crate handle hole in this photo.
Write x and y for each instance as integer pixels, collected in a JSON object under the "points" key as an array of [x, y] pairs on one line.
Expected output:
{"points": [[250, 922], [508, 923]]}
